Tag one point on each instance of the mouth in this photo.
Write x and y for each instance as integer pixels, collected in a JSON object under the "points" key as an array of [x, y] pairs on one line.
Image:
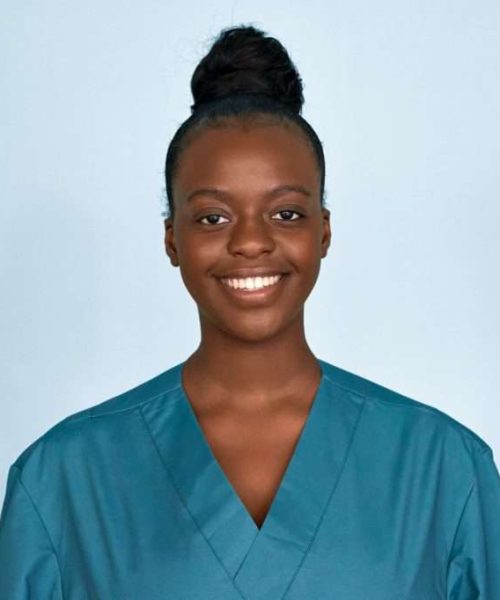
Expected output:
{"points": [[253, 287]]}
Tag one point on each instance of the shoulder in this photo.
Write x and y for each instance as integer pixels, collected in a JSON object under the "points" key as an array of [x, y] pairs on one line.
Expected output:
{"points": [[399, 413], [94, 424]]}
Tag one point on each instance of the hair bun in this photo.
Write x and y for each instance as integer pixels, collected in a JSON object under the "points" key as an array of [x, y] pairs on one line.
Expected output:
{"points": [[243, 60]]}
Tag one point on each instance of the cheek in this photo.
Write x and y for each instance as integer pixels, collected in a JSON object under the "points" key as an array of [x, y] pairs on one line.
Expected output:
{"points": [[198, 260], [305, 250], [196, 251]]}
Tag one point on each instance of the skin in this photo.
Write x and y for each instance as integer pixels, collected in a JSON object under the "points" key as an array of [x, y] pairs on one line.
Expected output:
{"points": [[253, 377]]}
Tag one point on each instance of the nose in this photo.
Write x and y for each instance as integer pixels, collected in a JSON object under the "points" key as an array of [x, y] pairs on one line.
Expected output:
{"points": [[250, 237]]}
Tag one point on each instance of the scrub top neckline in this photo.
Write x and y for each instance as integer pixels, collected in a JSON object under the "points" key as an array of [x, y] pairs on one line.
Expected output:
{"points": [[259, 561], [228, 483]]}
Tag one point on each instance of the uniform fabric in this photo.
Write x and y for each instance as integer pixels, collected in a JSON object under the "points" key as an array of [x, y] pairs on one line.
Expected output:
{"points": [[384, 498]]}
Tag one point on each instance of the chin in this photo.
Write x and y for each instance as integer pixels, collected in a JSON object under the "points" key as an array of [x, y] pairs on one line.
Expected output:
{"points": [[253, 330]]}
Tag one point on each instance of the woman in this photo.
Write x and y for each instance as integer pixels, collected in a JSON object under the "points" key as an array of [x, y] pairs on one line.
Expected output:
{"points": [[252, 469]]}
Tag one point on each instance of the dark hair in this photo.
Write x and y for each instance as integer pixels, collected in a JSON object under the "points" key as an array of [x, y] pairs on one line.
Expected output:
{"points": [[245, 74]]}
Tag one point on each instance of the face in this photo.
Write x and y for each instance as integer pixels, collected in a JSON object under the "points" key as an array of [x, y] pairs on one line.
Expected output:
{"points": [[248, 232]]}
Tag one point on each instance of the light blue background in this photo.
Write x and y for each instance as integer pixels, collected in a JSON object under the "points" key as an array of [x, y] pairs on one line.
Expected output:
{"points": [[405, 96]]}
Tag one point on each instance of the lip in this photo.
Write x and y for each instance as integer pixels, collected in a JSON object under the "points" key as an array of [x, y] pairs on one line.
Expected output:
{"points": [[248, 272], [260, 295]]}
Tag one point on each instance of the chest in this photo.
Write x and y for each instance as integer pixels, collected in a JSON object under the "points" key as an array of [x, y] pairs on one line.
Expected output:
{"points": [[254, 452]]}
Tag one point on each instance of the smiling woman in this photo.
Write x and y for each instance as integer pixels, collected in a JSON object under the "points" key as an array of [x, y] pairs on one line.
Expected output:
{"points": [[253, 469]]}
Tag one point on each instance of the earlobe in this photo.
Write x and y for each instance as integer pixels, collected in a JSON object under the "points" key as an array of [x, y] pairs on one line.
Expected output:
{"points": [[170, 248]]}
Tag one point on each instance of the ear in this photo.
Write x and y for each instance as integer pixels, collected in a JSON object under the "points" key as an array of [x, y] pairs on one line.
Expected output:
{"points": [[170, 248], [327, 232]]}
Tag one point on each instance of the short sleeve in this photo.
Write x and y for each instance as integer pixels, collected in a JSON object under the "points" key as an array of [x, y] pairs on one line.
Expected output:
{"points": [[474, 563], [28, 564]]}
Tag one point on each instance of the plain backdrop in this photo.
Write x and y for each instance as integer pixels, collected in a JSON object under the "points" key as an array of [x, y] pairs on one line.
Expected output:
{"points": [[406, 99]]}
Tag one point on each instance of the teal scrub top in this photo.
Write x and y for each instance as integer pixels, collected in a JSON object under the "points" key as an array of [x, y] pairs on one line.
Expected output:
{"points": [[384, 498]]}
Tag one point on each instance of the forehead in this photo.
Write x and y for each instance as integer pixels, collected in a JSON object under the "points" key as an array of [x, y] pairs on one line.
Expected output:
{"points": [[242, 153]]}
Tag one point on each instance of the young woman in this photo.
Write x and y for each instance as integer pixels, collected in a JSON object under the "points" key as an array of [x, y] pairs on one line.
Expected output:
{"points": [[253, 469]]}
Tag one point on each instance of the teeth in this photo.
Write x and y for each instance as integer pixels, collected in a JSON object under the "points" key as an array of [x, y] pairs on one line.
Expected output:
{"points": [[252, 283]]}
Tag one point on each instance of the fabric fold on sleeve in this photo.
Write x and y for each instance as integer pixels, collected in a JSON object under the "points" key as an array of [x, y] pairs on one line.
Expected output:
{"points": [[28, 564], [474, 562]]}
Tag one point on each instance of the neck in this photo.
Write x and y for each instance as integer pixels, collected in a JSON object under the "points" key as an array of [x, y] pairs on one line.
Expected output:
{"points": [[257, 374]]}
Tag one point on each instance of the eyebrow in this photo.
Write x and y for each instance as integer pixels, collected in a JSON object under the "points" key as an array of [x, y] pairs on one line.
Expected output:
{"points": [[276, 191]]}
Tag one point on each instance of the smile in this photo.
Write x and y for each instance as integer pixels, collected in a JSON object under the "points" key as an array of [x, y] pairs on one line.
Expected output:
{"points": [[251, 284]]}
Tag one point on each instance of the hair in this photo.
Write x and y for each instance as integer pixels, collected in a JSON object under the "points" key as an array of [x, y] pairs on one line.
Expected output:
{"points": [[245, 75]]}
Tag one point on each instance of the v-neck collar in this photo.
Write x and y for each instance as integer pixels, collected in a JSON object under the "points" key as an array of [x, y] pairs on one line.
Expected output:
{"points": [[261, 563]]}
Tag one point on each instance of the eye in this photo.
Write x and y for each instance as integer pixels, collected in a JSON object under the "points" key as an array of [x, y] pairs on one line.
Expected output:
{"points": [[210, 218], [287, 213]]}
